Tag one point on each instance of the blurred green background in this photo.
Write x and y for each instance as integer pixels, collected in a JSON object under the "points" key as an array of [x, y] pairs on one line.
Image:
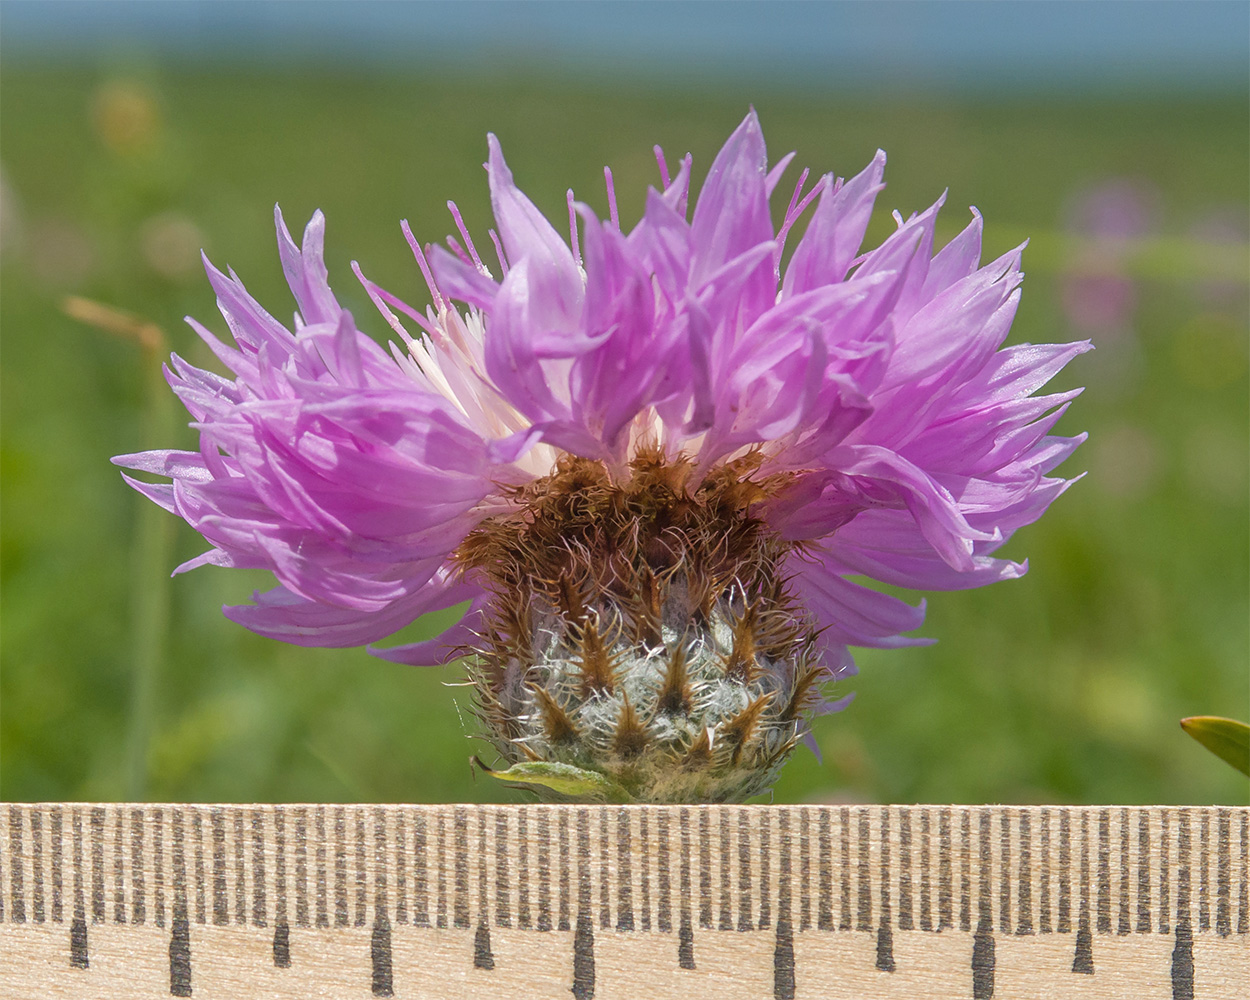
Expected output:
{"points": [[1066, 686]]}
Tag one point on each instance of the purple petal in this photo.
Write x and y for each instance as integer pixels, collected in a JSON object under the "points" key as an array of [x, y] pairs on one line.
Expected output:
{"points": [[849, 614], [461, 281], [306, 270], [443, 647], [527, 234], [731, 215], [835, 233]]}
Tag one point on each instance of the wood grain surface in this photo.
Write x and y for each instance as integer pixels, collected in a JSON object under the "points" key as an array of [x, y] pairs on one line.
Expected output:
{"points": [[768, 902]]}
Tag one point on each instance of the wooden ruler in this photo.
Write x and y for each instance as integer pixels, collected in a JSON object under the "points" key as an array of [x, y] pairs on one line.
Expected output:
{"points": [[767, 902]]}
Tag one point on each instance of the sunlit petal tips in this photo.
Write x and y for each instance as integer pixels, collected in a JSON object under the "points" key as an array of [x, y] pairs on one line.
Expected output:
{"points": [[651, 460]]}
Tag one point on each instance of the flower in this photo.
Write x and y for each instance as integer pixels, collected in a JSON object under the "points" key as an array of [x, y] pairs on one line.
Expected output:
{"points": [[650, 461]]}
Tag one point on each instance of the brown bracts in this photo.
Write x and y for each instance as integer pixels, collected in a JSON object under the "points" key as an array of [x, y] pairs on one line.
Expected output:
{"points": [[643, 645]]}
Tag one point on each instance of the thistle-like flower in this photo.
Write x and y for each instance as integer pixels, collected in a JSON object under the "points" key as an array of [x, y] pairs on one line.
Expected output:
{"points": [[650, 461]]}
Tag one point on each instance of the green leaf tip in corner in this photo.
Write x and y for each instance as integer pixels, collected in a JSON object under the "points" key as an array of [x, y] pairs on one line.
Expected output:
{"points": [[1228, 739], [565, 780]]}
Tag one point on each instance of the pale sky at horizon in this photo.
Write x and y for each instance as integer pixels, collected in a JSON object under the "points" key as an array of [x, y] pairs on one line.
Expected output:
{"points": [[977, 45]]}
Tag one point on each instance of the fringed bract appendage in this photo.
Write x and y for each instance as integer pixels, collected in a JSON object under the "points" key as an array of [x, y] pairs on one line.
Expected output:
{"points": [[642, 645]]}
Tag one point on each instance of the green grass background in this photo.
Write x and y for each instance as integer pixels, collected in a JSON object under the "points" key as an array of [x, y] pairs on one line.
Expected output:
{"points": [[1065, 686]]}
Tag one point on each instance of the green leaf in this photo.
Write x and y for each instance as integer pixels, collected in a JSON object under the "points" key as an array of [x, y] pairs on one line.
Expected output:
{"points": [[565, 779], [1228, 739]]}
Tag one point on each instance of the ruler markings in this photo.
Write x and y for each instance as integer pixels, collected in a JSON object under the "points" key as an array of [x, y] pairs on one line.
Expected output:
{"points": [[41, 829], [97, 865], [543, 922], [1182, 867], [1182, 953], [584, 959], [179, 862], [78, 929], [119, 869], [1004, 873], [356, 913], [57, 873], [946, 913], [310, 881], [1243, 896], [221, 913], [1143, 872], [1204, 871], [584, 934], [783, 962], [863, 911], [985, 888], [229, 865], [1043, 873], [1124, 924], [1165, 883], [584, 882], [460, 864], [1183, 963], [1223, 925], [604, 839], [566, 868], [380, 955], [745, 920], [439, 881], [965, 870], [359, 914], [705, 869], [783, 869], [1024, 874], [663, 875], [5, 908], [1063, 919], [522, 870], [724, 865], [783, 951], [483, 956], [240, 874], [1104, 871], [381, 862], [824, 913], [158, 862], [138, 903], [401, 865], [805, 870], [420, 915], [844, 869], [685, 945], [644, 871], [885, 938], [625, 888], [201, 892], [926, 869], [180, 938], [640, 863], [482, 867], [281, 927], [338, 848], [1083, 959], [503, 909], [303, 912], [17, 906], [37, 891], [765, 854], [983, 961], [337, 822]]}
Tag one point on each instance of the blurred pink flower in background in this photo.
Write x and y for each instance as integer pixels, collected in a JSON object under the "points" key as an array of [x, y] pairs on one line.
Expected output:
{"points": [[1099, 296]]}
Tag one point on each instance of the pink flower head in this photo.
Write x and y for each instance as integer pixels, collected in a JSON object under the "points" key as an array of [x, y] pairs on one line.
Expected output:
{"points": [[891, 434]]}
